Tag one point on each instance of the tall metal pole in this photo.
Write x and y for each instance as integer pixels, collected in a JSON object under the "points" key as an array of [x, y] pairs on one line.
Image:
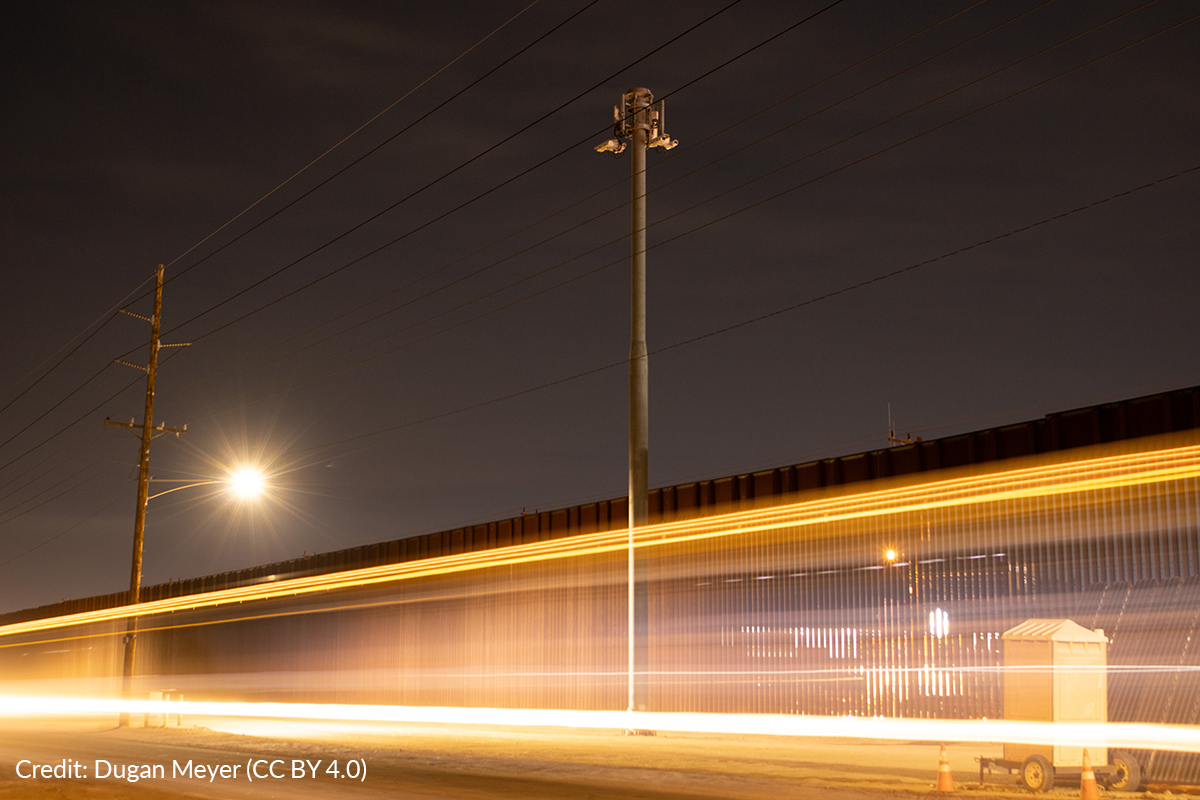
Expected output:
{"points": [[139, 524], [640, 121], [639, 399]]}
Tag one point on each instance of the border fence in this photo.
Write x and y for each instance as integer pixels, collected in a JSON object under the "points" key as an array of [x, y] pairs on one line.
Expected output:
{"points": [[884, 598]]}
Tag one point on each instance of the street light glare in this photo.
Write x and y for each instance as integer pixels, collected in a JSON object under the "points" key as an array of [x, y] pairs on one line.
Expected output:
{"points": [[246, 482]]}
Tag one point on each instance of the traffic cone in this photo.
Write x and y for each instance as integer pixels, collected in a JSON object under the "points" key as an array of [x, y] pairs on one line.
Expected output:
{"points": [[1088, 790], [945, 780]]}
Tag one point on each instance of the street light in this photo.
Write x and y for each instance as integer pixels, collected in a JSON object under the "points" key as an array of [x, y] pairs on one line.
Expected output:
{"points": [[245, 483]]}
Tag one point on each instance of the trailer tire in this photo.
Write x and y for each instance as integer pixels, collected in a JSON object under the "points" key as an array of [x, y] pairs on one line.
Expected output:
{"points": [[1127, 777], [1037, 774]]}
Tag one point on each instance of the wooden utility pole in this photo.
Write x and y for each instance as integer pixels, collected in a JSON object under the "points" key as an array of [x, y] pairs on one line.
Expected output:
{"points": [[139, 524]]}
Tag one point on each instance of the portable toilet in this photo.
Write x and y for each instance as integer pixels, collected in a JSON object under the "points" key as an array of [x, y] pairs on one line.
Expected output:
{"points": [[1056, 671]]}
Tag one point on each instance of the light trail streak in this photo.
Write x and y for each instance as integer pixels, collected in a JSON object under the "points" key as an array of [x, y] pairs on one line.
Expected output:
{"points": [[1079, 477], [1139, 736]]}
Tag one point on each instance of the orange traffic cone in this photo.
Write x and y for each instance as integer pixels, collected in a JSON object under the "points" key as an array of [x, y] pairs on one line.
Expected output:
{"points": [[1087, 781], [945, 780]]}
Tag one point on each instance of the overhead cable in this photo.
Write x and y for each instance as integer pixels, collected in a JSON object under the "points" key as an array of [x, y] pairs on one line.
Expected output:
{"points": [[596, 217], [342, 141], [760, 318], [464, 164], [710, 199]]}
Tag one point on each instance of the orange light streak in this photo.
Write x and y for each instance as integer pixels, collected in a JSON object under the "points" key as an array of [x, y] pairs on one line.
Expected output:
{"points": [[1078, 477]]}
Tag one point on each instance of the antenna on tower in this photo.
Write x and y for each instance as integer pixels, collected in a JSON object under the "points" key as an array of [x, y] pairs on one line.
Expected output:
{"points": [[892, 432]]}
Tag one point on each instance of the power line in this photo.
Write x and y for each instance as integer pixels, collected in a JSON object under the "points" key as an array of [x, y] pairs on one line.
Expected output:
{"points": [[48, 411], [345, 139], [86, 415], [494, 188], [577, 226], [107, 317], [841, 291], [896, 273], [91, 437], [697, 205], [876, 154], [297, 174], [111, 311], [451, 172], [689, 83], [768, 199], [762, 317], [375, 251], [919, 135], [59, 535], [68, 490], [382, 144]]}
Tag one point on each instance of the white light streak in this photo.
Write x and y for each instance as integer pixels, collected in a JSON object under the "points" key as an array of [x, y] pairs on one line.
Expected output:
{"points": [[1179, 738]]}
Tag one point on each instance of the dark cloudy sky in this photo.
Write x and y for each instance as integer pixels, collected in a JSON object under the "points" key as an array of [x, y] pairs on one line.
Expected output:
{"points": [[131, 132]]}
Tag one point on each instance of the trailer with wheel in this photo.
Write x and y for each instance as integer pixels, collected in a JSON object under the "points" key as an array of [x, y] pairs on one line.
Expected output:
{"points": [[1057, 671], [1037, 772]]}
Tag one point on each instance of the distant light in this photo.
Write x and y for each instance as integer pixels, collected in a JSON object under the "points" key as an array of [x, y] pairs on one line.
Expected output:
{"points": [[939, 623], [890, 555], [247, 483]]}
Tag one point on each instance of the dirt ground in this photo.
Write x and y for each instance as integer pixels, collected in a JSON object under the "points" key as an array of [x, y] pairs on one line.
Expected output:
{"points": [[413, 761]]}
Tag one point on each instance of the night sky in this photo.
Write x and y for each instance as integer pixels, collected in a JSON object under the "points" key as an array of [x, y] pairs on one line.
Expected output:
{"points": [[379, 345]]}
